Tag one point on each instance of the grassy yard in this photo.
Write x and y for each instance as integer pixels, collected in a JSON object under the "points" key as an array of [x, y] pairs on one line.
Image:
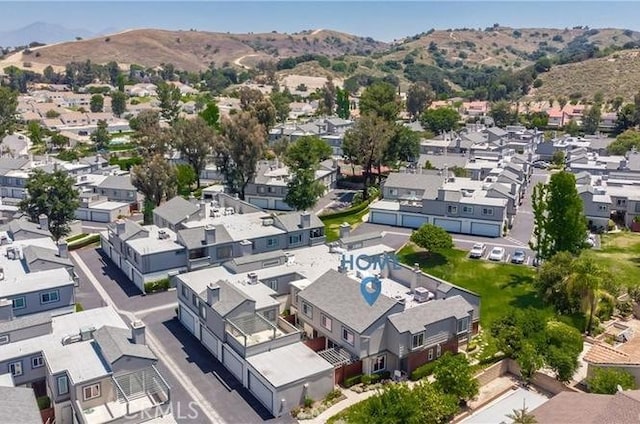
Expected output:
{"points": [[332, 224], [620, 254]]}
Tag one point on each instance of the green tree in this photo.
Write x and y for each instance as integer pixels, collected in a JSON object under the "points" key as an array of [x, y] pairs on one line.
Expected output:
{"points": [[52, 114], [591, 119], [8, 106], [616, 103], [59, 141], [403, 146], [572, 128], [433, 406], [442, 119], [211, 115], [101, 136], [185, 178], [35, 132], [419, 95], [194, 139], [541, 242], [551, 282], [254, 102], [625, 119], [243, 143], [522, 416], [605, 381], [529, 360], [586, 279], [453, 375], [624, 142], [306, 152], [538, 120], [303, 190], [343, 109], [432, 238], [558, 158], [380, 99], [155, 178], [169, 97], [97, 103], [281, 103], [329, 96], [53, 195], [563, 346], [118, 103], [150, 137], [303, 157], [502, 114]]}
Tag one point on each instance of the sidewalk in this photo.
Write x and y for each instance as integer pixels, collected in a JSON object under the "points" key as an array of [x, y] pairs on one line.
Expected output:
{"points": [[352, 399]]}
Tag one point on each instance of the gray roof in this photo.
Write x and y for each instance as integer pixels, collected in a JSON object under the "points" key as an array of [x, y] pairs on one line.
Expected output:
{"points": [[339, 296], [176, 209], [360, 237], [503, 189], [415, 126], [20, 225], [428, 182], [338, 121], [243, 260], [497, 131], [506, 173], [600, 143], [115, 343], [35, 253], [13, 163], [131, 228], [18, 406], [474, 138], [193, 238], [230, 298], [25, 321], [117, 182], [415, 319], [439, 161], [291, 221]]}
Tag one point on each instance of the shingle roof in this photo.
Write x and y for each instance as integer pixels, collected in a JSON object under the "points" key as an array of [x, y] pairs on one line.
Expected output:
{"points": [[117, 182], [428, 182], [497, 131], [601, 354], [13, 163], [339, 296], [115, 343], [589, 408], [131, 228], [18, 406], [192, 238], [176, 209], [415, 319], [230, 298], [291, 221], [19, 225], [35, 253]]}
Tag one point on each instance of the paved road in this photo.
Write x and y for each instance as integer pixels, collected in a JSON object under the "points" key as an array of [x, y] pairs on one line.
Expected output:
{"points": [[195, 377], [337, 195]]}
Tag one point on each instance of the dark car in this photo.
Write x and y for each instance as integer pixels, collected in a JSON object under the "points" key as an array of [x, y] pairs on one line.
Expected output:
{"points": [[518, 257]]}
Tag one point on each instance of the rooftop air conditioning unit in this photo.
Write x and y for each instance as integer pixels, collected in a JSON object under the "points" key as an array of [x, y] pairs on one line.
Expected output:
{"points": [[267, 222], [421, 295], [253, 278], [400, 299], [162, 235], [86, 333]]}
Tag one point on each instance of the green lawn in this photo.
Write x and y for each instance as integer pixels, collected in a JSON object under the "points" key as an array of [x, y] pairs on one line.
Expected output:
{"points": [[620, 254], [332, 225]]}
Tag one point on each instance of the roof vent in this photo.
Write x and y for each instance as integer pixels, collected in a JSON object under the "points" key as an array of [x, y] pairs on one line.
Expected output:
{"points": [[253, 278], [162, 235]]}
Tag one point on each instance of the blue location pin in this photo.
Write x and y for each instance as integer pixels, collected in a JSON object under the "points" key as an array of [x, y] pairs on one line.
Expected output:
{"points": [[370, 287]]}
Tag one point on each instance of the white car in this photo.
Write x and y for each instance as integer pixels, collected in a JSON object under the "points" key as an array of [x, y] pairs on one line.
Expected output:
{"points": [[477, 251], [497, 254]]}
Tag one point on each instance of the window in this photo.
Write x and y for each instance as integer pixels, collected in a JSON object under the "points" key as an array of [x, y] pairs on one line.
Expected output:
{"points": [[430, 357], [467, 210], [272, 284], [63, 385], [136, 257], [19, 303], [4, 339], [224, 252], [438, 351], [185, 292], [272, 242], [452, 209], [194, 299], [270, 189], [37, 362], [347, 336], [270, 315], [202, 311], [622, 202], [274, 262], [379, 364], [49, 297], [487, 211], [91, 392], [295, 239], [307, 309], [418, 340], [260, 189], [603, 207], [15, 368], [393, 191], [198, 253], [463, 325], [319, 232], [326, 322]]}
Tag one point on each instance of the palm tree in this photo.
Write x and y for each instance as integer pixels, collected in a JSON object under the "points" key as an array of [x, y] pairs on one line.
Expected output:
{"points": [[522, 416], [586, 279]]}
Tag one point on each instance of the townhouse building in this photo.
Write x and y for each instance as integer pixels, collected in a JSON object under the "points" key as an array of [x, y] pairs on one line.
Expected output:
{"points": [[17, 404], [616, 195], [331, 130], [189, 235], [269, 187], [91, 365]]}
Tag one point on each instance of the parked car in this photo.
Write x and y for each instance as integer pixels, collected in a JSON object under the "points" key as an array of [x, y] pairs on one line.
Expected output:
{"points": [[518, 257], [541, 165], [477, 251], [497, 254]]}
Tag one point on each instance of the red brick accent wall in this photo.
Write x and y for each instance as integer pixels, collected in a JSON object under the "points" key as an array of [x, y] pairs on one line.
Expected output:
{"points": [[421, 357], [316, 344]]}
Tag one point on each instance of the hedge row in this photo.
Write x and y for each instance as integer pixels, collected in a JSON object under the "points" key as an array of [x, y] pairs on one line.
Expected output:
{"points": [[423, 371], [347, 212], [76, 237], [85, 241], [157, 286], [366, 378]]}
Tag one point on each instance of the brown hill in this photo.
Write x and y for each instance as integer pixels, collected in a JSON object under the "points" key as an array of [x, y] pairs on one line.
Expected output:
{"points": [[195, 50]]}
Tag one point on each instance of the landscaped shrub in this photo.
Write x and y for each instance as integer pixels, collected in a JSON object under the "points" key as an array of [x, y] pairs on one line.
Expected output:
{"points": [[76, 237], [156, 286], [86, 241], [43, 402], [332, 396], [346, 212], [308, 402], [352, 381], [423, 371]]}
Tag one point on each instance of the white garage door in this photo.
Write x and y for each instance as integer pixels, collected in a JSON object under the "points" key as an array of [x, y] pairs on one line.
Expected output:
{"points": [[187, 320], [261, 203], [449, 225], [82, 214], [281, 205], [100, 217], [210, 341], [383, 218], [260, 391], [413, 221], [488, 230], [232, 363]]}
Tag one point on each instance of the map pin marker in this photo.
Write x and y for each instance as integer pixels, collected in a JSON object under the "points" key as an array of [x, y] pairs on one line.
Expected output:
{"points": [[370, 287]]}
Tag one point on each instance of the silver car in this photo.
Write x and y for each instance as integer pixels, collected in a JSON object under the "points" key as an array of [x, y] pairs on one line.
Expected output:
{"points": [[477, 251], [497, 254]]}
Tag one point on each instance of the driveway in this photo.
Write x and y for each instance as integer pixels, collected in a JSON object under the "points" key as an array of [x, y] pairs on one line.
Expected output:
{"points": [[522, 229], [334, 196]]}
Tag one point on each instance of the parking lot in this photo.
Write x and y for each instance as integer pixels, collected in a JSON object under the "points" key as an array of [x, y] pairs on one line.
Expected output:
{"points": [[508, 253]]}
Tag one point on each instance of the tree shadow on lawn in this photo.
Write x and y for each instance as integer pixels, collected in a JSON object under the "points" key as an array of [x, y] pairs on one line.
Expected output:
{"points": [[425, 259], [635, 260]]}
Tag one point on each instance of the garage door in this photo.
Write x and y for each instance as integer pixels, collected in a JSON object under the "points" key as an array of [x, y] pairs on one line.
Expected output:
{"points": [[413, 221], [82, 214], [231, 362], [482, 229], [281, 205], [260, 391], [383, 218], [261, 203], [210, 341], [187, 320], [449, 225], [100, 217]]}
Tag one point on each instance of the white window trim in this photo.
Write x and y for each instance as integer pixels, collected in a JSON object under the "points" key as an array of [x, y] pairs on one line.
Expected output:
{"points": [[307, 310], [375, 361], [24, 302], [452, 209], [467, 209], [66, 385], [4, 339], [346, 339], [466, 329], [487, 211], [15, 368], [438, 351], [415, 346], [37, 362], [430, 355], [94, 391], [50, 292], [324, 320]]}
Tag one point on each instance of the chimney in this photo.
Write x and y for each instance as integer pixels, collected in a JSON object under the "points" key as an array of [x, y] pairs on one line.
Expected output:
{"points": [[513, 188], [305, 220], [246, 248], [345, 230], [137, 331], [415, 277], [213, 294], [209, 234], [97, 158], [203, 209], [120, 226], [63, 249], [44, 222]]}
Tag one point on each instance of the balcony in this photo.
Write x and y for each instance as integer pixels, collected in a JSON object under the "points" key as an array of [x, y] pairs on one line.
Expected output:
{"points": [[254, 334], [139, 397]]}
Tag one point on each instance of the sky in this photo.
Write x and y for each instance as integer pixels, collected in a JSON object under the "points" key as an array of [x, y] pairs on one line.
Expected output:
{"points": [[383, 21]]}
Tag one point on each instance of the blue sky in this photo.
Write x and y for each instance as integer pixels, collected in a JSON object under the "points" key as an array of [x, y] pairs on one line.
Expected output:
{"points": [[381, 20]]}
